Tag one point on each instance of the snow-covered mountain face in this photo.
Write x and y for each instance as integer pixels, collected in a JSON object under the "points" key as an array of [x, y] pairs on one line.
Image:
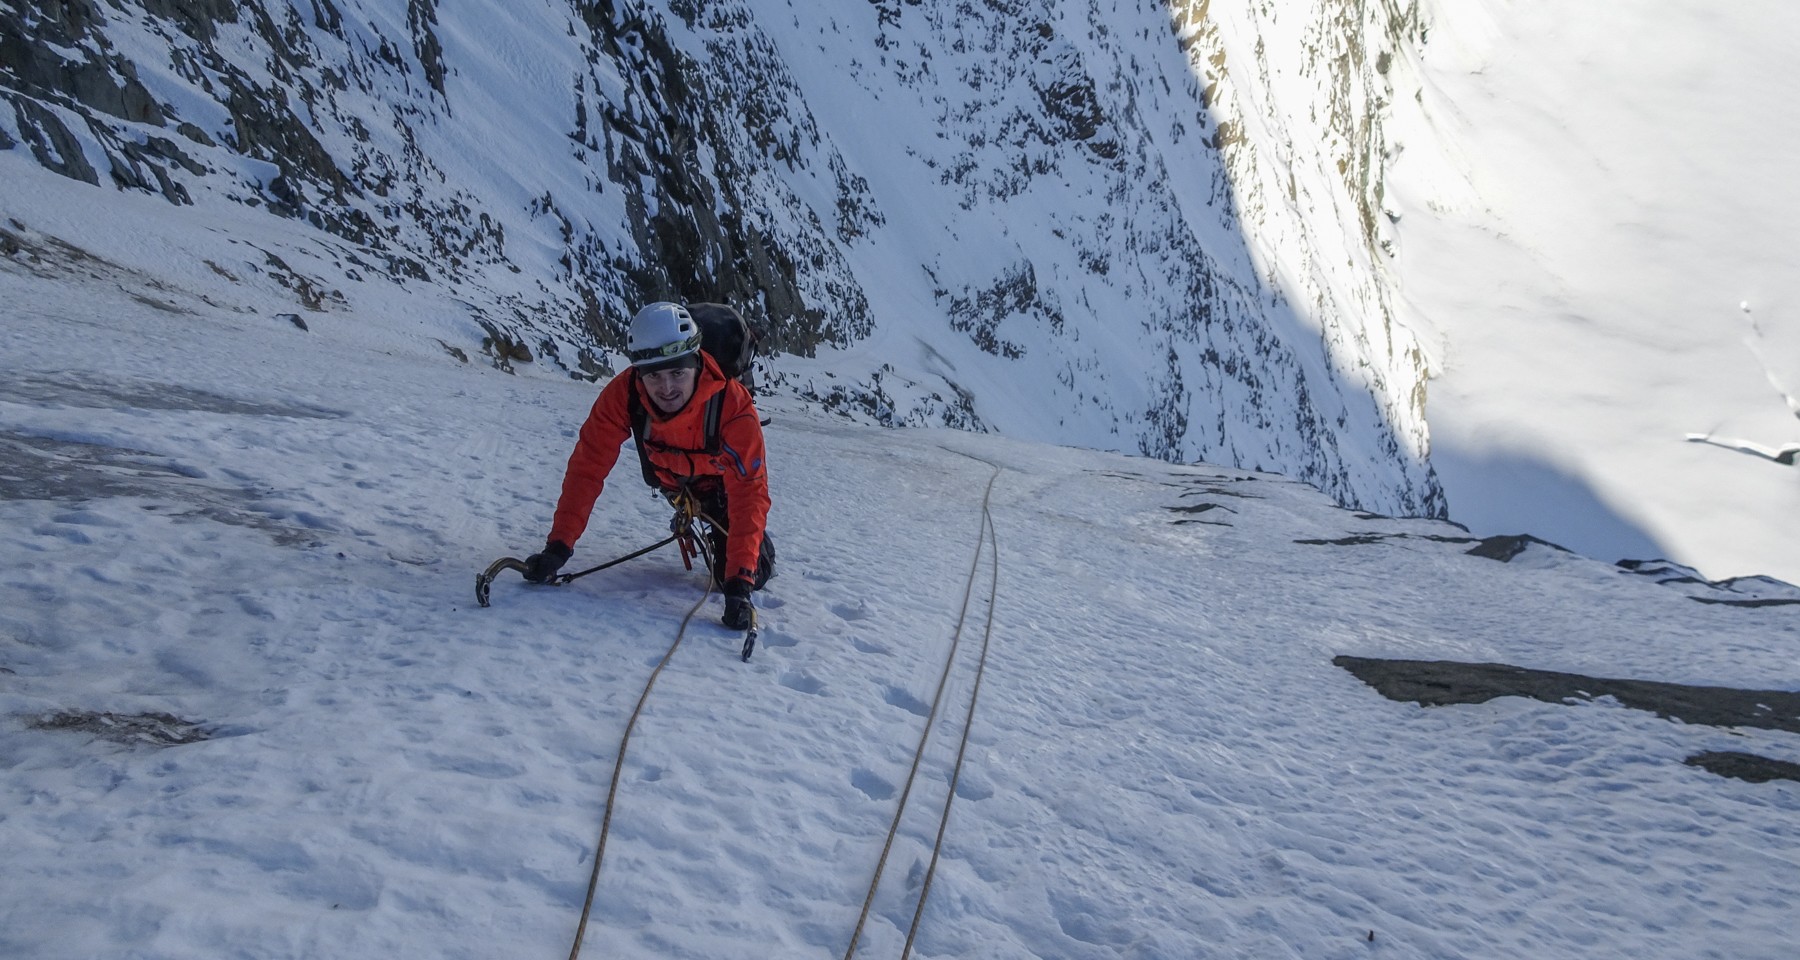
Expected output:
{"points": [[1139, 225], [1596, 243]]}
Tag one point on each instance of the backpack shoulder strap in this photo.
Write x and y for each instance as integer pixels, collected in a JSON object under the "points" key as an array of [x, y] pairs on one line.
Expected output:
{"points": [[640, 420], [715, 407]]}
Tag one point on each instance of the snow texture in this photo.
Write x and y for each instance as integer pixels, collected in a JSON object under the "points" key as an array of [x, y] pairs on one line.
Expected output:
{"points": [[1597, 221], [249, 469], [249, 708]]}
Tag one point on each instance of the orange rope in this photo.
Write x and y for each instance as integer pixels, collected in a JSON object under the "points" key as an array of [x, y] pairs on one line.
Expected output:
{"points": [[930, 719], [612, 791]]}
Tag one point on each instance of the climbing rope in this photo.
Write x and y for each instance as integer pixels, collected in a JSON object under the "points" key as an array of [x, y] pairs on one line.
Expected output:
{"points": [[984, 534], [962, 747], [687, 514], [686, 508]]}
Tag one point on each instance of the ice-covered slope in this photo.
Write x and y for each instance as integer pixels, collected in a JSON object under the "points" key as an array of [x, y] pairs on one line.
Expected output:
{"points": [[1134, 225], [248, 707]]}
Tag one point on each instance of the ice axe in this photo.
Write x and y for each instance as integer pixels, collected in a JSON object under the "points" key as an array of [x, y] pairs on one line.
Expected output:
{"points": [[485, 579]]}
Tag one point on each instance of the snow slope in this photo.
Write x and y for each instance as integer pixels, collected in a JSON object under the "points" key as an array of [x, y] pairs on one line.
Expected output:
{"points": [[270, 535], [1599, 220]]}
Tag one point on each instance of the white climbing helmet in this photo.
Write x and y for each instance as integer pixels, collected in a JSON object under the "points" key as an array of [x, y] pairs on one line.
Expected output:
{"points": [[663, 335]]}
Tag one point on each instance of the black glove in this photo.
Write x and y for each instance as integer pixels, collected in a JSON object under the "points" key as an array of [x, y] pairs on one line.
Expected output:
{"points": [[740, 613], [540, 567]]}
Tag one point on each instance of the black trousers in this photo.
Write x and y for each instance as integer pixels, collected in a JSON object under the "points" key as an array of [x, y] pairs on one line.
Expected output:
{"points": [[713, 508]]}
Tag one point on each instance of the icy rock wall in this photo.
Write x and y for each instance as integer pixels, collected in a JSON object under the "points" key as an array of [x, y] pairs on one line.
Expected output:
{"points": [[551, 163], [1299, 94]]}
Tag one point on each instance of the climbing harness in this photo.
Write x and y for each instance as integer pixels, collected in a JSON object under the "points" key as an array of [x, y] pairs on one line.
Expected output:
{"points": [[696, 545]]}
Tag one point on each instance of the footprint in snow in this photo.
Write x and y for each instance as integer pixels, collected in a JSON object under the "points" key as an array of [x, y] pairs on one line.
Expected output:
{"points": [[906, 701], [973, 788], [776, 638], [871, 784], [485, 768], [803, 683], [852, 612]]}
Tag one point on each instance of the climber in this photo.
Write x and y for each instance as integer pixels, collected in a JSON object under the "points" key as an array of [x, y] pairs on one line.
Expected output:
{"points": [[699, 440]]}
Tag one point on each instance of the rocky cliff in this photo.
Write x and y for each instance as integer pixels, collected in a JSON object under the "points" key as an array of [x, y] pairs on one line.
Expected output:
{"points": [[1149, 226]]}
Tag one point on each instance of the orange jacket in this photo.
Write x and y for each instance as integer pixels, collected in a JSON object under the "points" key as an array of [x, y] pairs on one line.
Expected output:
{"points": [[676, 447]]}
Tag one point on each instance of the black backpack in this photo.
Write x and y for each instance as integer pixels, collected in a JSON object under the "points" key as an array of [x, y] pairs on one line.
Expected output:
{"points": [[725, 335], [732, 344]]}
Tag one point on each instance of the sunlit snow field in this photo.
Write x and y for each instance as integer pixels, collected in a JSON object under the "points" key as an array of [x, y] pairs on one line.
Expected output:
{"points": [[1598, 220]]}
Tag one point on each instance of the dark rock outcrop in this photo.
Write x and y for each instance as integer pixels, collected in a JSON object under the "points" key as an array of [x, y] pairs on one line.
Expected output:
{"points": [[1745, 766], [1507, 547], [1434, 683]]}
